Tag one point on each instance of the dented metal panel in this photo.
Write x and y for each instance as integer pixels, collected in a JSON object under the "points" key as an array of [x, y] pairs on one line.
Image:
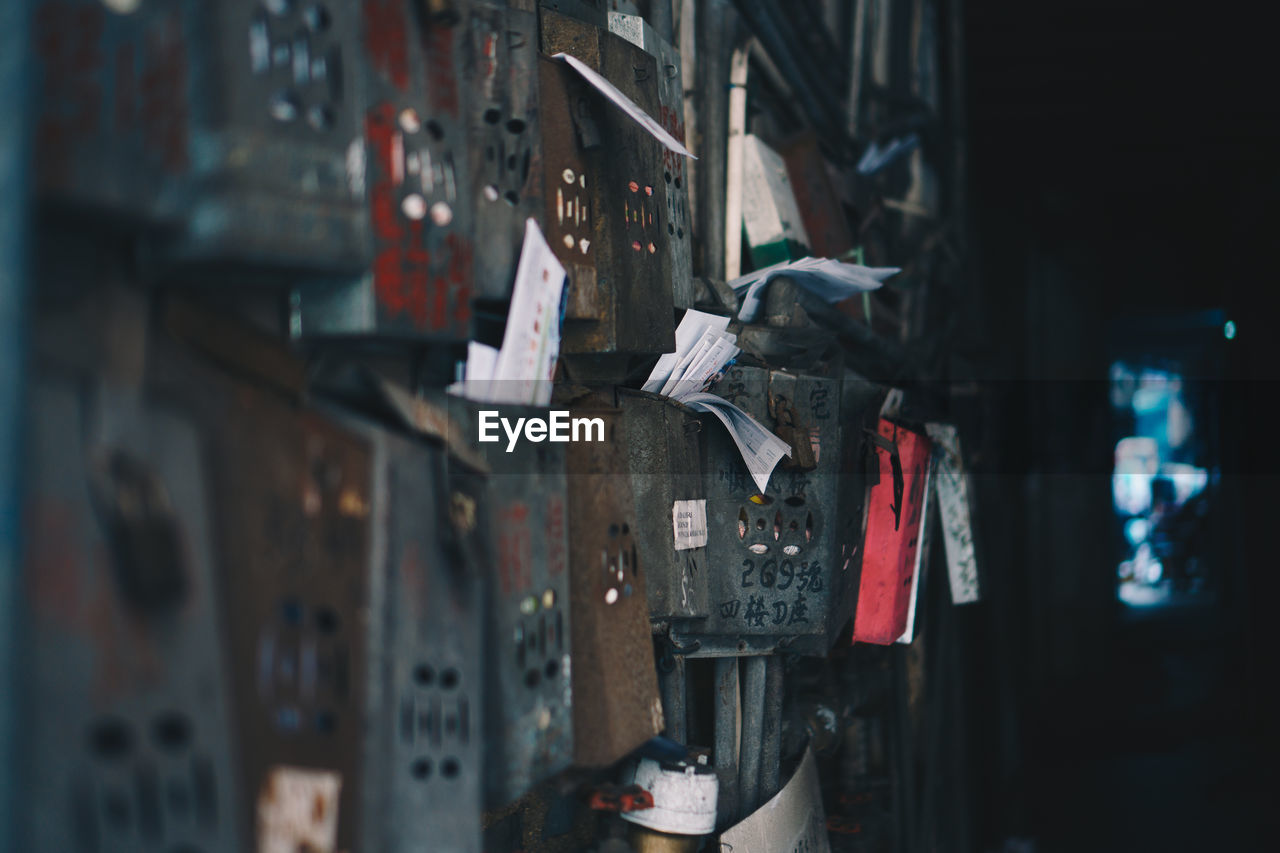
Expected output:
{"points": [[127, 739], [233, 126], [663, 444], [670, 115], [784, 563], [427, 692], [416, 186], [627, 306], [616, 706], [501, 63], [529, 723]]}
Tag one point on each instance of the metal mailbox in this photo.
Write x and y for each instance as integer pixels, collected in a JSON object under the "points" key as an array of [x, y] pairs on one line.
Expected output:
{"points": [[670, 115], [616, 706], [605, 197], [231, 126], [423, 764], [127, 736], [784, 564], [529, 717], [665, 458], [503, 136], [416, 182]]}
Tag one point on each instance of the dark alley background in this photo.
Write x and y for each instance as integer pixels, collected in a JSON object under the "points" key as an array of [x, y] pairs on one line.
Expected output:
{"points": [[1123, 169]]}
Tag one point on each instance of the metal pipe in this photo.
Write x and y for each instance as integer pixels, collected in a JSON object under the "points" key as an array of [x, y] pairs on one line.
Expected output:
{"points": [[752, 733], [14, 217], [726, 740], [771, 742], [674, 686]]}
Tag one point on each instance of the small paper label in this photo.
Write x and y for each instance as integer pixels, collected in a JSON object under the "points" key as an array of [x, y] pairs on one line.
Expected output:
{"points": [[689, 520], [298, 810], [952, 487]]}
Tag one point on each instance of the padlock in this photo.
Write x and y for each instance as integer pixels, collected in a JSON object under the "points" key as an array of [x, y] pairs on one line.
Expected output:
{"points": [[605, 197]]}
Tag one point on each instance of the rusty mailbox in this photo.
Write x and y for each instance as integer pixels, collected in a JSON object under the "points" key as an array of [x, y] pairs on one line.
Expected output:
{"points": [[783, 564], [127, 731], [616, 706], [605, 198], [670, 115], [501, 62], [231, 129], [415, 177], [423, 760], [529, 720], [664, 451]]}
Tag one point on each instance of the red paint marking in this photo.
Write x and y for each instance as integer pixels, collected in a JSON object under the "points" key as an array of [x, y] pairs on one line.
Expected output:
{"points": [[515, 550], [163, 89], [461, 259], [442, 78], [384, 40], [672, 122], [555, 535], [68, 42]]}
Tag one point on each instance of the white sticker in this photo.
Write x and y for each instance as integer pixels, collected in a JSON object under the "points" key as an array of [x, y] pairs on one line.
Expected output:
{"points": [[689, 523], [952, 488], [298, 810]]}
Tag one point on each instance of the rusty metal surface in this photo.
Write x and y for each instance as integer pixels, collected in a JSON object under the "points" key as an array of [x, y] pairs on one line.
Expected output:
{"points": [[501, 64], [227, 124], [416, 185], [620, 178], [616, 706], [670, 115], [664, 454], [824, 219], [529, 719], [784, 565]]}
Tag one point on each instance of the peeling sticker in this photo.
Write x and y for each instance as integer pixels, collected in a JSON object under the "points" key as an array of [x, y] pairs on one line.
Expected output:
{"points": [[689, 524], [298, 810]]}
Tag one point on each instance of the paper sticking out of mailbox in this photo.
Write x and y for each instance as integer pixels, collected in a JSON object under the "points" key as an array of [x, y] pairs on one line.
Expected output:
{"points": [[832, 280], [521, 371], [627, 105], [792, 822], [703, 348]]}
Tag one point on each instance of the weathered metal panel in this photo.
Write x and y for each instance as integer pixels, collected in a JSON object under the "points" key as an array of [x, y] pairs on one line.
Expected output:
{"points": [[670, 115], [663, 445], [628, 306], [416, 184], [128, 734], [231, 125], [427, 694], [501, 64], [616, 706], [293, 493], [784, 564], [825, 221], [529, 721]]}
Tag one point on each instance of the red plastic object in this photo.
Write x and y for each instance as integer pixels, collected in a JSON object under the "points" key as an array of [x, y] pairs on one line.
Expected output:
{"points": [[611, 798], [893, 535]]}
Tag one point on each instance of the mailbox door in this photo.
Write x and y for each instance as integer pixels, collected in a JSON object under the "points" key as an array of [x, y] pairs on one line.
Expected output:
{"points": [[128, 743], [616, 706], [529, 719]]}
